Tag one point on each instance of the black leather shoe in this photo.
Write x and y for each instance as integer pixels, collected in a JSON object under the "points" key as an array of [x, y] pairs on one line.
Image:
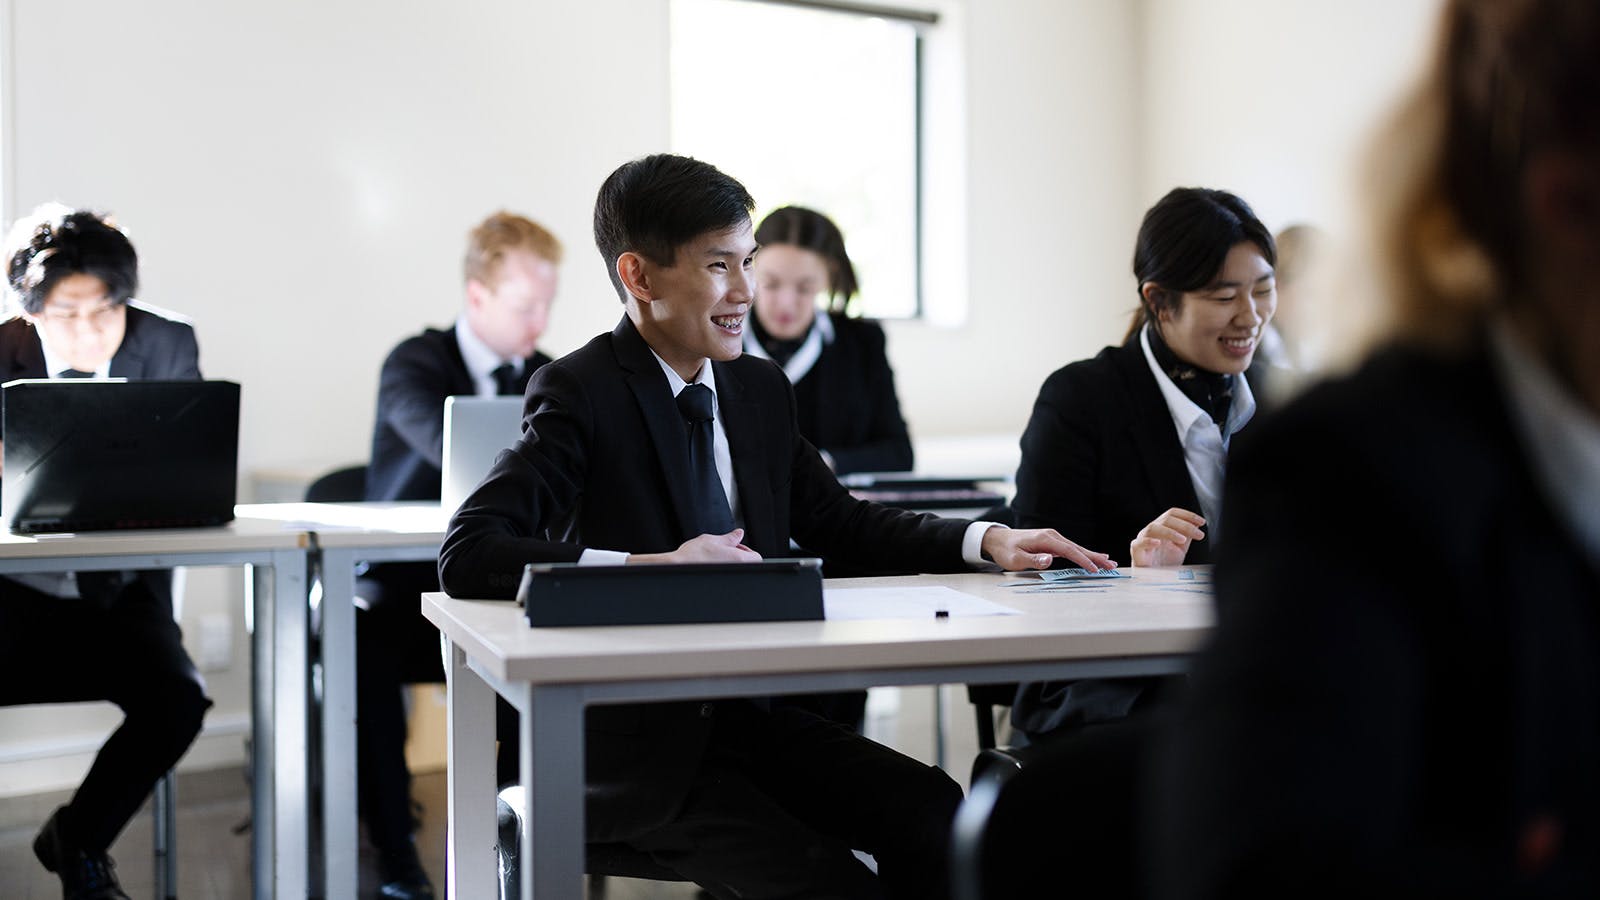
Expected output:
{"points": [[403, 877], [84, 876], [508, 850]]}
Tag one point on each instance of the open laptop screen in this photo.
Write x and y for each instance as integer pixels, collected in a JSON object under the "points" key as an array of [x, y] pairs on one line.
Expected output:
{"points": [[476, 429], [85, 455]]}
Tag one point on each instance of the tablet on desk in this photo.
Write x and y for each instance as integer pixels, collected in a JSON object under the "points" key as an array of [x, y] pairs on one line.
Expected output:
{"points": [[771, 590]]}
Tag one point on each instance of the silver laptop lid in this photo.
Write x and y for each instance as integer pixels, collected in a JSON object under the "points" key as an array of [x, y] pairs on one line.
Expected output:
{"points": [[476, 429]]}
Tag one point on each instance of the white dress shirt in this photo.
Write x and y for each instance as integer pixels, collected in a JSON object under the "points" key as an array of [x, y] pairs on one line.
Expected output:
{"points": [[54, 364], [1559, 434], [799, 365], [719, 437], [481, 361], [1205, 444]]}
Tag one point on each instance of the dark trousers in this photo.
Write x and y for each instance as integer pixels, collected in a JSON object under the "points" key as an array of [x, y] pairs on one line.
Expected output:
{"points": [[782, 797], [396, 646], [120, 645]]}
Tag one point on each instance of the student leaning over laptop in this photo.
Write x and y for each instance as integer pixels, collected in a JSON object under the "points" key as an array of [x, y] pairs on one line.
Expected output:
{"points": [[94, 635]]}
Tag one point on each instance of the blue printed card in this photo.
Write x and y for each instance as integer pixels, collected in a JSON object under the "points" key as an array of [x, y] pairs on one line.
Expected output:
{"points": [[1080, 574]]}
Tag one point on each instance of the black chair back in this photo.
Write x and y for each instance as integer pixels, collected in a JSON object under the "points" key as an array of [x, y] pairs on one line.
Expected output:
{"points": [[345, 485], [1072, 811]]}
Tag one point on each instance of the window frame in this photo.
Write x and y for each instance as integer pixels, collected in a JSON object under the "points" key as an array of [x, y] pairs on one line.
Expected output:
{"points": [[923, 21]]}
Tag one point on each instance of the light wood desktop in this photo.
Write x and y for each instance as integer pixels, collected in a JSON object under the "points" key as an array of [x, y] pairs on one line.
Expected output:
{"points": [[1148, 624]]}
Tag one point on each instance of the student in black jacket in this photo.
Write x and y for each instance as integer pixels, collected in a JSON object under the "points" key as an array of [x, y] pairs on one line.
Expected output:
{"points": [[843, 386], [661, 442], [1402, 694], [1129, 448], [509, 283], [67, 637]]}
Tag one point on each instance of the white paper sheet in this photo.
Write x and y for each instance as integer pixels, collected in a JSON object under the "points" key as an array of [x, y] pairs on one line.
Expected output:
{"points": [[906, 603]]}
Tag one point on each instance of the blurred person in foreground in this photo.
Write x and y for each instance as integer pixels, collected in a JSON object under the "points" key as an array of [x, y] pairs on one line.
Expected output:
{"points": [[1402, 695]]}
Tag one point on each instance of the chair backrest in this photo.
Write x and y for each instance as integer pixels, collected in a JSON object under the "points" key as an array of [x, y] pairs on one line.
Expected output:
{"points": [[339, 486], [1074, 807], [985, 697]]}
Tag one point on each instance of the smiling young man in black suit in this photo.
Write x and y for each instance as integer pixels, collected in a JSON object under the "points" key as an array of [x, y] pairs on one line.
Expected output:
{"points": [[746, 801], [68, 637]]}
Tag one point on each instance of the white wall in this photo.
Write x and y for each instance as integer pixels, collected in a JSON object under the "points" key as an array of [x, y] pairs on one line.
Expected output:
{"points": [[1274, 101], [299, 177], [1051, 123]]}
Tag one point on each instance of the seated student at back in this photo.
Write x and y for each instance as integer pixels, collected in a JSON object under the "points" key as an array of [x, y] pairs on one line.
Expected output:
{"points": [[508, 284], [68, 637], [843, 386], [658, 442], [845, 402]]}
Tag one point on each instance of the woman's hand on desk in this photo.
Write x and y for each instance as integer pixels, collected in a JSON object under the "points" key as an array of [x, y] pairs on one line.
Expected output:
{"points": [[703, 549], [1165, 542], [1013, 549]]}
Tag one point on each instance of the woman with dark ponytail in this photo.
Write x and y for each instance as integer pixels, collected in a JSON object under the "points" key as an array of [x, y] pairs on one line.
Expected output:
{"points": [[1128, 449], [844, 389]]}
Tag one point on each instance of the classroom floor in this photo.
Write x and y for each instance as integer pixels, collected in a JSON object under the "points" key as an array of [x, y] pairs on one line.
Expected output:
{"points": [[214, 812]]}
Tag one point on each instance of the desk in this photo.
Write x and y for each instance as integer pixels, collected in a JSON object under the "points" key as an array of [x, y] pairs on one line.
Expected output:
{"points": [[276, 605], [343, 534], [1145, 626]]}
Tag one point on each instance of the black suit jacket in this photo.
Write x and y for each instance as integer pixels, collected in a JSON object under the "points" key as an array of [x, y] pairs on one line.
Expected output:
{"points": [[847, 403], [408, 433], [1402, 695], [1101, 458], [154, 346], [603, 463]]}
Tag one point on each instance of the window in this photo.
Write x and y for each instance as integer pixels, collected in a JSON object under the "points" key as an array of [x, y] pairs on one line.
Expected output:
{"points": [[818, 105]]}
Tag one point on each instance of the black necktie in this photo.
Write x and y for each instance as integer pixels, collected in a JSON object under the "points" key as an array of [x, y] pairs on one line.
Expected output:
{"points": [[74, 373], [506, 382], [711, 513]]}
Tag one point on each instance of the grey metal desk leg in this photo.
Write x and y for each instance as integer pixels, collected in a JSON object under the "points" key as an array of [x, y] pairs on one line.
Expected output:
{"points": [[280, 788], [164, 837], [470, 871], [552, 768], [340, 830]]}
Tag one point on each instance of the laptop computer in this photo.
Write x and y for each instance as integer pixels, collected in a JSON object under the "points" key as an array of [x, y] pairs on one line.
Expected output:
{"points": [[88, 455], [476, 429]]}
